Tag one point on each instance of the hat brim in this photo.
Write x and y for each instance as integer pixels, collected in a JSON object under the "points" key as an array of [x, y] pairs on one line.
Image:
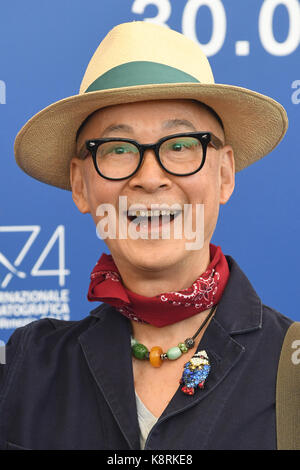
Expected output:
{"points": [[254, 124]]}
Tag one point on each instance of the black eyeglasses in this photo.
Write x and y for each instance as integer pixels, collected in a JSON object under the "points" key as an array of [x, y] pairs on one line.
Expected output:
{"points": [[178, 154]]}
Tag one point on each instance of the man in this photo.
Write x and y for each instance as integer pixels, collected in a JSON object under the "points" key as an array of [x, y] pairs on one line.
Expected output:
{"points": [[151, 128]]}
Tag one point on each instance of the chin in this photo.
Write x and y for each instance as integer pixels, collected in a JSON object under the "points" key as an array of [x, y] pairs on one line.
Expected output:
{"points": [[156, 254]]}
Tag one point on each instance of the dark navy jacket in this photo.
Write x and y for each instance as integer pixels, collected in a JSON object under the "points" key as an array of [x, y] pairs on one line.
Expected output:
{"points": [[69, 384]]}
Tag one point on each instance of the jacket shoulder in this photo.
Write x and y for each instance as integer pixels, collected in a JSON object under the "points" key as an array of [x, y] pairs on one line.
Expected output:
{"points": [[274, 327], [275, 319], [36, 338]]}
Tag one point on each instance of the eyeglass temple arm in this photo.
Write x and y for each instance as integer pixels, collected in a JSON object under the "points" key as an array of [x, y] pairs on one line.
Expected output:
{"points": [[216, 142], [83, 152]]}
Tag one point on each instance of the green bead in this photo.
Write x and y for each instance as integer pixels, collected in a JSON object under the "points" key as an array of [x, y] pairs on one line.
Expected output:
{"points": [[183, 347], [139, 351], [174, 353]]}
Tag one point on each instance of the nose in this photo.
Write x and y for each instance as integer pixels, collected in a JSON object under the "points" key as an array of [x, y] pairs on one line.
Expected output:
{"points": [[150, 176]]}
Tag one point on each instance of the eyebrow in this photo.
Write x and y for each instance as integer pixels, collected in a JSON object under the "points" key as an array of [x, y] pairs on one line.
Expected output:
{"points": [[178, 123], [117, 127]]}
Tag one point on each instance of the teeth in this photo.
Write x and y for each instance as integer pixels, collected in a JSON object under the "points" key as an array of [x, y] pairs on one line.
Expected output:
{"points": [[151, 213]]}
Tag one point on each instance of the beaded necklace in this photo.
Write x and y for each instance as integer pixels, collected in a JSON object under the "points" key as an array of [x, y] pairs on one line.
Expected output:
{"points": [[195, 371]]}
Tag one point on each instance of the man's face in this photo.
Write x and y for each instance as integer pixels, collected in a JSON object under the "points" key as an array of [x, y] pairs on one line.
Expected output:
{"points": [[146, 123]]}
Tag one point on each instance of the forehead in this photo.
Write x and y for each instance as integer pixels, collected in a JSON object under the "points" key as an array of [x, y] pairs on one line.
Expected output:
{"points": [[160, 114]]}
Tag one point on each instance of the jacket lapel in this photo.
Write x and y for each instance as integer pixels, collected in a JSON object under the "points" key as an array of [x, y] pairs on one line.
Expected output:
{"points": [[106, 347], [223, 352]]}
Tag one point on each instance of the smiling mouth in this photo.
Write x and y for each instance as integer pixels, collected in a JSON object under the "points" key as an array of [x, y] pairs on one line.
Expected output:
{"points": [[157, 216]]}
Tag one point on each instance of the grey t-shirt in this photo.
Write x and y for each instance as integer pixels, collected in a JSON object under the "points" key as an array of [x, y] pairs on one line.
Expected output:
{"points": [[146, 420]]}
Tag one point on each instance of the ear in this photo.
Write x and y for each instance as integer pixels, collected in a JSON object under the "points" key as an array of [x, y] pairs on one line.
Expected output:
{"points": [[78, 185], [227, 173]]}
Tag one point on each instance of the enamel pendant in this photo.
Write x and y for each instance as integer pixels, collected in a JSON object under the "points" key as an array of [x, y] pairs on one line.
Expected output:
{"points": [[195, 373]]}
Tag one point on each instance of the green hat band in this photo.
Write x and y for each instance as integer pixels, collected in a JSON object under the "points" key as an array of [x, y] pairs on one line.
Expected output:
{"points": [[139, 73]]}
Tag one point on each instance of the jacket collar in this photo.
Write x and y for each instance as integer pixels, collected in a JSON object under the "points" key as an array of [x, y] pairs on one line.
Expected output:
{"points": [[106, 347], [240, 309]]}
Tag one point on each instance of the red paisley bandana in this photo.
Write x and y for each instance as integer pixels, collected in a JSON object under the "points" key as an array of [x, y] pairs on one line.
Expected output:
{"points": [[164, 309]]}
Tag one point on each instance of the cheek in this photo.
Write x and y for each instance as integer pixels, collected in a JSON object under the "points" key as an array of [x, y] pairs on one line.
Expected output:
{"points": [[202, 188], [100, 191]]}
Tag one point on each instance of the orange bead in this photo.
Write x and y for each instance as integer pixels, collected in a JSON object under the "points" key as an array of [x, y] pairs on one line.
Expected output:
{"points": [[154, 356]]}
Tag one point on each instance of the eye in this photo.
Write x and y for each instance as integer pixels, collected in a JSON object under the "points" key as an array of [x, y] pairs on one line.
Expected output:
{"points": [[177, 146], [117, 148], [181, 144]]}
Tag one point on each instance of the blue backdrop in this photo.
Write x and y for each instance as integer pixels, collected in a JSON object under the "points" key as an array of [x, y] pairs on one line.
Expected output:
{"points": [[47, 248]]}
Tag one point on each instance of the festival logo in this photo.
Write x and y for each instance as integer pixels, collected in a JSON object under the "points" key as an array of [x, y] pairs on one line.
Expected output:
{"points": [[20, 304]]}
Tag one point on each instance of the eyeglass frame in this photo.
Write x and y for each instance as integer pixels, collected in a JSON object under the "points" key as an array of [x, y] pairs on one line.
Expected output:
{"points": [[205, 138]]}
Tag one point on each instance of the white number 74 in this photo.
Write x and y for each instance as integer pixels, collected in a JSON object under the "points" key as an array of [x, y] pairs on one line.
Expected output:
{"points": [[34, 230]]}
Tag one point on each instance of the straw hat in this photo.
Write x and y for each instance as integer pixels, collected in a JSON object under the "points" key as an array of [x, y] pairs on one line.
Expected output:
{"points": [[141, 61]]}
